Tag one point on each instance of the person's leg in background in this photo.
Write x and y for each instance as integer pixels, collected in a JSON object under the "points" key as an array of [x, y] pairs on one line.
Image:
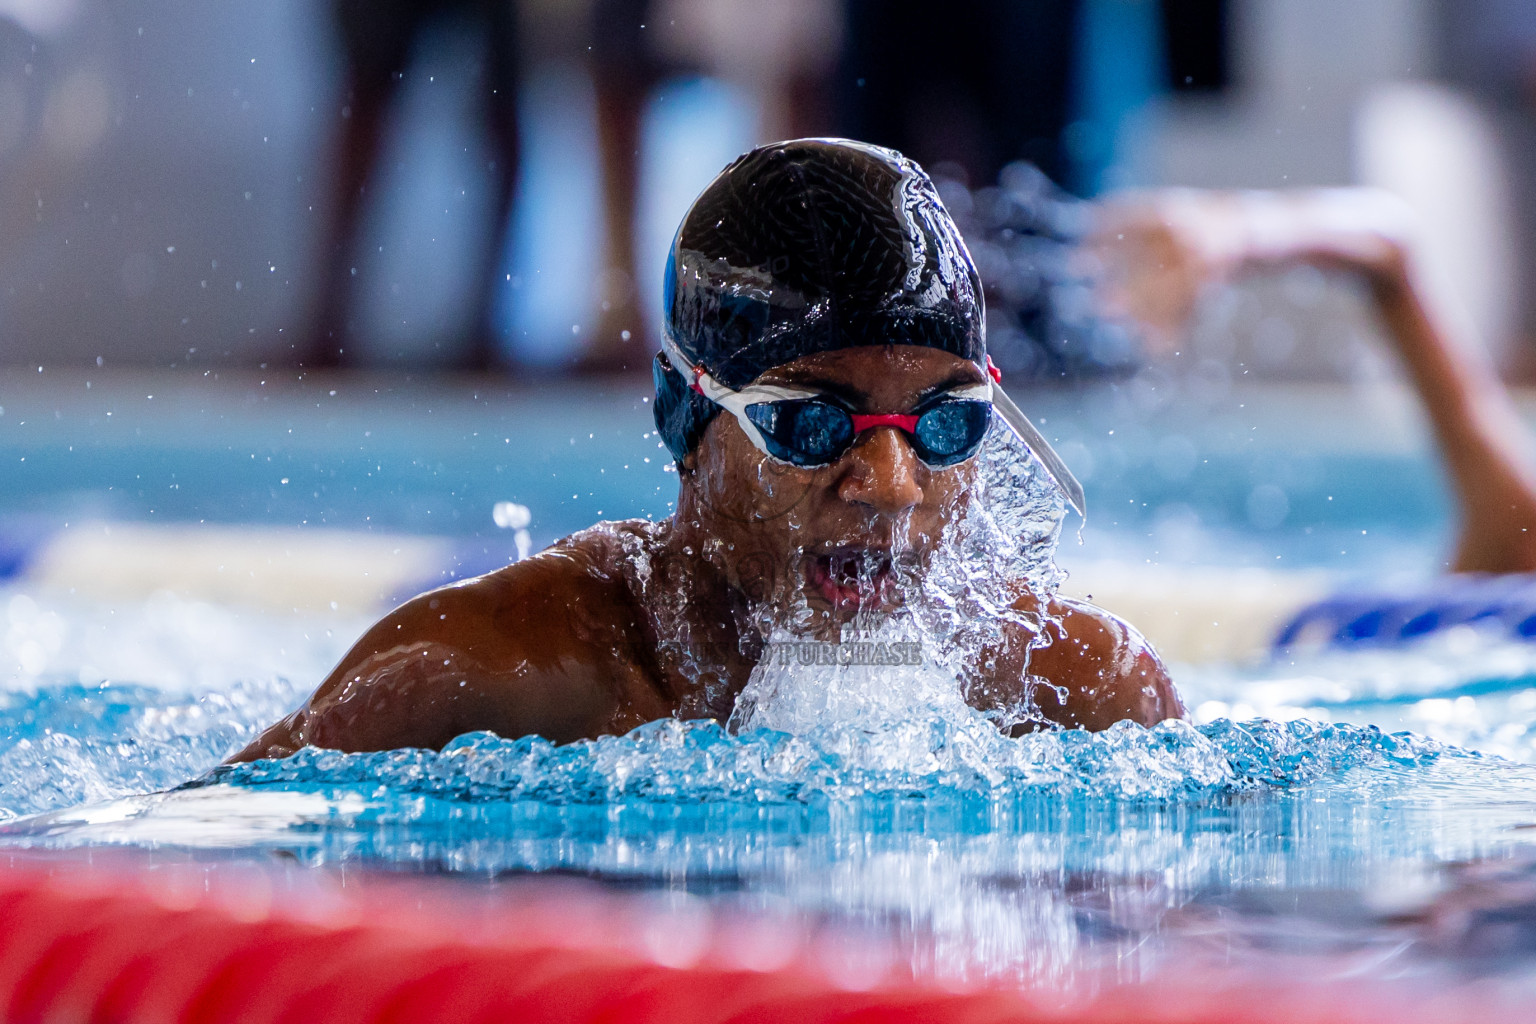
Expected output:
{"points": [[376, 38], [986, 83], [497, 22], [624, 73], [1027, 64]]}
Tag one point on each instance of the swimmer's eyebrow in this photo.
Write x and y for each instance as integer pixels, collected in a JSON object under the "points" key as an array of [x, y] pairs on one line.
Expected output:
{"points": [[849, 395], [854, 397], [958, 379]]}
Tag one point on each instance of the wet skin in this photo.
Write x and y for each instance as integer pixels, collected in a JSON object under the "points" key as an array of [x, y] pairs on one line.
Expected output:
{"points": [[586, 639]]}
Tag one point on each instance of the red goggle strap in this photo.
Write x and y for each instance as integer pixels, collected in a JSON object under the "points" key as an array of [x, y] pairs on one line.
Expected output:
{"points": [[907, 423]]}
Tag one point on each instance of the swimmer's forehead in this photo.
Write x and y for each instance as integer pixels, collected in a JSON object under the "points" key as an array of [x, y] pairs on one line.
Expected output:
{"points": [[885, 376]]}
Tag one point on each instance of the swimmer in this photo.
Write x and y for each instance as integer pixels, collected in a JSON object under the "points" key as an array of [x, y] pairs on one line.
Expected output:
{"points": [[820, 298], [1164, 249]]}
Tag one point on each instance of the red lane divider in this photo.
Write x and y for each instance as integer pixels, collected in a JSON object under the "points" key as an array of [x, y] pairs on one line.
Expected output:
{"points": [[191, 944]]}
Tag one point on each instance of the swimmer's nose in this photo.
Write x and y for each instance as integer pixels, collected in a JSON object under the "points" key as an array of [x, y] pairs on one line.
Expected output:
{"points": [[881, 473]]}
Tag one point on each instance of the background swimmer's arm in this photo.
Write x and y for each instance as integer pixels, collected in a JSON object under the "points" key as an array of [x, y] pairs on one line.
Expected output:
{"points": [[1482, 438], [496, 653], [1161, 250]]}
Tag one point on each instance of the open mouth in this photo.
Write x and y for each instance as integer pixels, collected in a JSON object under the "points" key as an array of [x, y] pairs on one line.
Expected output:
{"points": [[854, 578]]}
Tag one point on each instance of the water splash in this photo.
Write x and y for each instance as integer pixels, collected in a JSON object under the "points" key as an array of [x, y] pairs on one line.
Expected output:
{"points": [[870, 679], [998, 550], [99, 701], [1463, 687], [70, 744], [688, 762]]}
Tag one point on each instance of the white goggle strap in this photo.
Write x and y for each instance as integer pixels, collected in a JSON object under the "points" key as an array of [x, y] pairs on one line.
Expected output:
{"points": [[733, 402], [1049, 461], [736, 402], [974, 393]]}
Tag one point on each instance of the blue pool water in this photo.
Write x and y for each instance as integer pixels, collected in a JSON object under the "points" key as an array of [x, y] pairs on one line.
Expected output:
{"points": [[1345, 810], [1313, 475]]}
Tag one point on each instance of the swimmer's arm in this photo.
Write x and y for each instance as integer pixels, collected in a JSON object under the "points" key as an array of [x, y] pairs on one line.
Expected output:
{"points": [[1484, 441], [1486, 445], [1108, 671], [494, 653], [1161, 250]]}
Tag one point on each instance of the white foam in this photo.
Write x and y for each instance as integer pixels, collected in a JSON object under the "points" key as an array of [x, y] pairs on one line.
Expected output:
{"points": [[887, 677]]}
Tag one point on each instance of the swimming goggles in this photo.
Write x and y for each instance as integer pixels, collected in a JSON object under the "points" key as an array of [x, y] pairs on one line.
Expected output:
{"points": [[808, 429]]}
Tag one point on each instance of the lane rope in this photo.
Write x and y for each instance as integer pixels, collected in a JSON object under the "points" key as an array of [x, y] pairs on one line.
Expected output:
{"points": [[86, 942]]}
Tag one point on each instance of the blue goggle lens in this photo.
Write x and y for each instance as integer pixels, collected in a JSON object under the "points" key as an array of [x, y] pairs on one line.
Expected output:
{"points": [[951, 431], [810, 432]]}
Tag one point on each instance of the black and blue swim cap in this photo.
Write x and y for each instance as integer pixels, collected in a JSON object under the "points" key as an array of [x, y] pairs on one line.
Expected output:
{"points": [[809, 246]]}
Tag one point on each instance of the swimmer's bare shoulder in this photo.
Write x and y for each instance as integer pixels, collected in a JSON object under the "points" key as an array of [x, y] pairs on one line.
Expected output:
{"points": [[1100, 669], [547, 645]]}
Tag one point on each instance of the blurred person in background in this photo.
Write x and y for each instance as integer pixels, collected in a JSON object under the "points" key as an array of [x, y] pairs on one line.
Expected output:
{"points": [[1488, 49], [995, 81], [379, 41], [779, 55], [988, 83], [1165, 251], [1017, 108]]}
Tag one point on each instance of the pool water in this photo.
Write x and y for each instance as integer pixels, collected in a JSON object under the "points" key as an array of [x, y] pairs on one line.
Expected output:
{"points": [[1175, 472], [1062, 858], [1350, 811]]}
